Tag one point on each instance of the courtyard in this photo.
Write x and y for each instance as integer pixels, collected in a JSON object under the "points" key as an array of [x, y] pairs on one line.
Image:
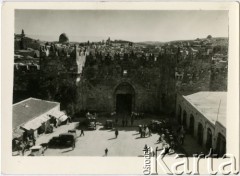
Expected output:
{"points": [[94, 142]]}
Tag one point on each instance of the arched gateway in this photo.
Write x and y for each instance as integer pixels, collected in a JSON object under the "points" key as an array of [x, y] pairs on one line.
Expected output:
{"points": [[124, 98]]}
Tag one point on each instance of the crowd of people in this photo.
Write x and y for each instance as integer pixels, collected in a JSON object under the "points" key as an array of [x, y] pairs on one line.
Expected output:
{"points": [[144, 131]]}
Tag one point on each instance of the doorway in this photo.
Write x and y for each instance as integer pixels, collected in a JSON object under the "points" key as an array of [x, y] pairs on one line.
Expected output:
{"points": [[221, 145], [124, 103], [200, 134], [124, 98], [191, 125], [209, 139]]}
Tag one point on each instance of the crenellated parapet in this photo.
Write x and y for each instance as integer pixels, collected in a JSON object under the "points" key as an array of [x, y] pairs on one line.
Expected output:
{"points": [[62, 58]]}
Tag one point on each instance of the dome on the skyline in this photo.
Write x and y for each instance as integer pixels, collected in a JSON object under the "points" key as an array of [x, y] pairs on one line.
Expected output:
{"points": [[63, 38]]}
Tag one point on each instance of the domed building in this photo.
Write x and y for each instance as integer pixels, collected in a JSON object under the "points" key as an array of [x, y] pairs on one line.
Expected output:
{"points": [[63, 38]]}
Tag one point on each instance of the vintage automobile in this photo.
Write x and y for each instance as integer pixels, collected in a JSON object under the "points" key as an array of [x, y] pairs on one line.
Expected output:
{"points": [[67, 140], [108, 124], [92, 125], [64, 140], [36, 151], [88, 123]]}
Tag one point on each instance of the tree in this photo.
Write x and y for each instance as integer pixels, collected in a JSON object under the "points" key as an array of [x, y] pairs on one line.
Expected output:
{"points": [[209, 37]]}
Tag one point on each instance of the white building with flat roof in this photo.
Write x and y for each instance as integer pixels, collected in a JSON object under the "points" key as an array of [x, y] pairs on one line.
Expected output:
{"points": [[204, 116]]}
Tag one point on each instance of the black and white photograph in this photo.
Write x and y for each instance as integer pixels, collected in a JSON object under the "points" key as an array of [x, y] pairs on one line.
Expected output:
{"points": [[119, 83], [119, 80]]}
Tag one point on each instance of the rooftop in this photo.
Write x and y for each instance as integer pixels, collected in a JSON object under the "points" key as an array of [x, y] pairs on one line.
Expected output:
{"points": [[212, 105], [30, 108]]}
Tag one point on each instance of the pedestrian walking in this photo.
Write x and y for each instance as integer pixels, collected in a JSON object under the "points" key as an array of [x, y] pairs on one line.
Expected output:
{"points": [[106, 151], [144, 126], [165, 150], [55, 123], [143, 133], [147, 131], [116, 133], [146, 148], [150, 132], [182, 135], [140, 129], [82, 132]]}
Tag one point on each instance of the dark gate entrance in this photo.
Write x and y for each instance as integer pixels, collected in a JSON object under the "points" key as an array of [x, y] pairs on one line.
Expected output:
{"points": [[124, 103], [124, 98]]}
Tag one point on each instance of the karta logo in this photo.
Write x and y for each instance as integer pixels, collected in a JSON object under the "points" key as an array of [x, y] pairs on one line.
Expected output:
{"points": [[227, 166]]}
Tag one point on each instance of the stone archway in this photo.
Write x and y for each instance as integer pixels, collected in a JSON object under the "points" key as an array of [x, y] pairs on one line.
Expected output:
{"points": [[221, 145], [184, 122], [209, 139], [124, 98], [191, 125], [200, 133]]}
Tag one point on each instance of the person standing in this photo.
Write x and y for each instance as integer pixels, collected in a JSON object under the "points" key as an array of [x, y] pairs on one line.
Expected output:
{"points": [[116, 133], [82, 132], [143, 132], [150, 132], [146, 148], [165, 150], [182, 135], [106, 151], [140, 129], [147, 131], [55, 123]]}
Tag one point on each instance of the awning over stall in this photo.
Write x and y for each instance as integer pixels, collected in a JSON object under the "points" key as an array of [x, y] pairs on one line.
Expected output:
{"points": [[33, 124], [63, 118], [44, 118], [17, 133], [57, 114]]}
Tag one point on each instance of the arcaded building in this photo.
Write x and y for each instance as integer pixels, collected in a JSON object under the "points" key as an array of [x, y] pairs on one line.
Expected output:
{"points": [[203, 114]]}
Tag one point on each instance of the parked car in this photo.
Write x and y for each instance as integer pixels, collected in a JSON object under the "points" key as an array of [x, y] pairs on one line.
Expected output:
{"points": [[36, 151], [54, 142], [92, 126], [88, 123], [108, 124], [67, 140], [64, 140]]}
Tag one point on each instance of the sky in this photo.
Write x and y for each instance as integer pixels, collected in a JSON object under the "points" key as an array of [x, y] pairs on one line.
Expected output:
{"points": [[136, 26]]}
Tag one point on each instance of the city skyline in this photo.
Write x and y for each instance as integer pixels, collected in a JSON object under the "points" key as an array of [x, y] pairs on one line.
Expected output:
{"points": [[136, 26]]}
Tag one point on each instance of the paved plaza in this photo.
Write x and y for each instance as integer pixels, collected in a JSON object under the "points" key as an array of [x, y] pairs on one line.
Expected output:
{"points": [[94, 142]]}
